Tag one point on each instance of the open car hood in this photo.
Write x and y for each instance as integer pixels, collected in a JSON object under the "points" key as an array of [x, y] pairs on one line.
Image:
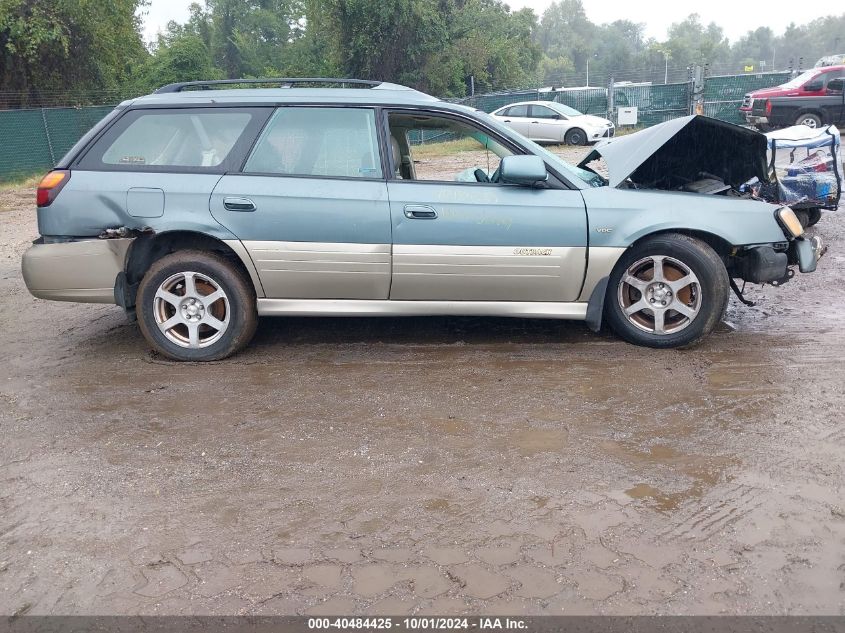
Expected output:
{"points": [[673, 154]]}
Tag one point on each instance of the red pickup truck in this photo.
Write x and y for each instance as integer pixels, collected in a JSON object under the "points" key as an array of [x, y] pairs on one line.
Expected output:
{"points": [[800, 101]]}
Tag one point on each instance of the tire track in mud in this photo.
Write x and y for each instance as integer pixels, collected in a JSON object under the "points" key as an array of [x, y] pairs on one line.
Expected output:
{"points": [[735, 503]]}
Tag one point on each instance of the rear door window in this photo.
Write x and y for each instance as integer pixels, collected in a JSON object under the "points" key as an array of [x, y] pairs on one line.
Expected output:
{"points": [[542, 112], [313, 141], [206, 139], [520, 111]]}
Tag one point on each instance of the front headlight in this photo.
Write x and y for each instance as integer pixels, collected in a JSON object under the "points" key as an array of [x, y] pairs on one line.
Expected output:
{"points": [[789, 221]]}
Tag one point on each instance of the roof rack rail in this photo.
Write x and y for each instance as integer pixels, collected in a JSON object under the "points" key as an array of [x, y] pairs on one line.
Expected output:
{"points": [[283, 82]]}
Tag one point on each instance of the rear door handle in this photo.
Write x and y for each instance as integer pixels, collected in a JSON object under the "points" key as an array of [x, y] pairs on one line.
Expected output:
{"points": [[420, 212], [238, 204]]}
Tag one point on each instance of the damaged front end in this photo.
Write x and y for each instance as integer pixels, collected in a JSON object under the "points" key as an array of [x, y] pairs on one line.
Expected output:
{"points": [[697, 154]]}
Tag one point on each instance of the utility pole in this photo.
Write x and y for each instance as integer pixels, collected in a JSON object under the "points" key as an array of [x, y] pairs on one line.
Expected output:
{"points": [[588, 67], [666, 55]]}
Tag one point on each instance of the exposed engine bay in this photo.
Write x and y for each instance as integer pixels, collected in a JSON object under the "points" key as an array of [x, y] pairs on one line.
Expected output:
{"points": [[696, 154], [798, 166]]}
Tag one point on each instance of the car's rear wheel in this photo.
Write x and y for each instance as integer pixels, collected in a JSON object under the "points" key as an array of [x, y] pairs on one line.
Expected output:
{"points": [[196, 306], [808, 217], [576, 136], [668, 291], [810, 120]]}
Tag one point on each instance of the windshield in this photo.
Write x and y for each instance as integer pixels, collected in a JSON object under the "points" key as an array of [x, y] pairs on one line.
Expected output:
{"points": [[800, 80], [565, 109]]}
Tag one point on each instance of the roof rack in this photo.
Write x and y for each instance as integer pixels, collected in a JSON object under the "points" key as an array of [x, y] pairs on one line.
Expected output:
{"points": [[283, 82]]}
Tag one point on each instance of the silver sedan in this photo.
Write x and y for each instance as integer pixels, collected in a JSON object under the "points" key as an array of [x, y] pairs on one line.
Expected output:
{"points": [[550, 122]]}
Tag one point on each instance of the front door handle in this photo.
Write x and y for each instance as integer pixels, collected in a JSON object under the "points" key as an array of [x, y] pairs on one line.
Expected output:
{"points": [[420, 212], [238, 204]]}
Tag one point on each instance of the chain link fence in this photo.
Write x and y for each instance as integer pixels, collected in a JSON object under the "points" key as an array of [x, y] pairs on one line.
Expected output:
{"points": [[35, 139]]}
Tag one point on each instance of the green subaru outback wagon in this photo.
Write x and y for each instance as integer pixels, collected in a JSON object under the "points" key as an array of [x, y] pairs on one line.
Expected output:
{"points": [[205, 205]]}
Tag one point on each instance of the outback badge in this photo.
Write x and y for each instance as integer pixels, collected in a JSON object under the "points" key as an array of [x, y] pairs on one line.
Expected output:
{"points": [[532, 251]]}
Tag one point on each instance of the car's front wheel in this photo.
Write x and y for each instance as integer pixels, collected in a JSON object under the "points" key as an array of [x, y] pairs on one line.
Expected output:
{"points": [[575, 136], [668, 291], [196, 306]]}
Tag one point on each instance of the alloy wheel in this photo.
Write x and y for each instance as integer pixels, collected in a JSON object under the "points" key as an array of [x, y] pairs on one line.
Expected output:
{"points": [[191, 310], [659, 294]]}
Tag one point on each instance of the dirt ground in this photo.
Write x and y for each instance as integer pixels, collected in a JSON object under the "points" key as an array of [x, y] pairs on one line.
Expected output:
{"points": [[439, 465]]}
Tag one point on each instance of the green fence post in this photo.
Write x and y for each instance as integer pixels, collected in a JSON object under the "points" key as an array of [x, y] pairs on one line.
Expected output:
{"points": [[49, 140]]}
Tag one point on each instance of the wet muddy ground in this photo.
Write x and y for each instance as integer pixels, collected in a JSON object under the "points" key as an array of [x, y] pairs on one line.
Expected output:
{"points": [[440, 465]]}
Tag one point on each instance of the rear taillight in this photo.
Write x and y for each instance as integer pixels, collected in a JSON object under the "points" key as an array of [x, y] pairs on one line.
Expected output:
{"points": [[50, 186], [768, 107]]}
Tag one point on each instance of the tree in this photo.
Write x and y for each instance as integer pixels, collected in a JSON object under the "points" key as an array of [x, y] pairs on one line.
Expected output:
{"points": [[54, 45], [179, 55], [433, 46]]}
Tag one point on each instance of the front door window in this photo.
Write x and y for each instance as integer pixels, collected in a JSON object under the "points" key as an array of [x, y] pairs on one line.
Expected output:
{"points": [[428, 148]]}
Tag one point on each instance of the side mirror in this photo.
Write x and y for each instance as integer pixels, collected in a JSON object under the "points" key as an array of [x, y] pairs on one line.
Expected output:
{"points": [[836, 85], [523, 170], [813, 86]]}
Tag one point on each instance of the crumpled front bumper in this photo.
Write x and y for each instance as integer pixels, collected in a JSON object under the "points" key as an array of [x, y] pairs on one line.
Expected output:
{"points": [[765, 264]]}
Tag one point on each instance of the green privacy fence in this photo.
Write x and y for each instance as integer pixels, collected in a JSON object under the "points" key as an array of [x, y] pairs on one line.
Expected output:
{"points": [[656, 103], [723, 95], [33, 141]]}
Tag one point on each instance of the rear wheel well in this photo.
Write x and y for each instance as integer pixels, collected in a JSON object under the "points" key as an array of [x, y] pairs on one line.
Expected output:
{"points": [[149, 248]]}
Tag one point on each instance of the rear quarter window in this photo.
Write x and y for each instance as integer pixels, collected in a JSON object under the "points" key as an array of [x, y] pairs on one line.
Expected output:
{"points": [[202, 139]]}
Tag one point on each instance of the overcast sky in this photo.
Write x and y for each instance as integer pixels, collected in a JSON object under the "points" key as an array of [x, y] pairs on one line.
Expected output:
{"points": [[734, 17]]}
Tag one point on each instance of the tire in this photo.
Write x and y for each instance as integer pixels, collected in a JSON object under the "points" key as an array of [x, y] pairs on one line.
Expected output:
{"points": [[182, 324], [803, 216], [575, 136], [703, 299], [808, 217], [810, 120]]}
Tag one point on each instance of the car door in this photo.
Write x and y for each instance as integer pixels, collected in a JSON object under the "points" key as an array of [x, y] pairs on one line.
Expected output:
{"points": [[457, 237], [516, 117], [834, 102], [546, 125], [310, 205]]}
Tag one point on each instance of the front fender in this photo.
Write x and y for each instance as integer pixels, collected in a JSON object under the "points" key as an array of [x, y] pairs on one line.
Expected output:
{"points": [[619, 217]]}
